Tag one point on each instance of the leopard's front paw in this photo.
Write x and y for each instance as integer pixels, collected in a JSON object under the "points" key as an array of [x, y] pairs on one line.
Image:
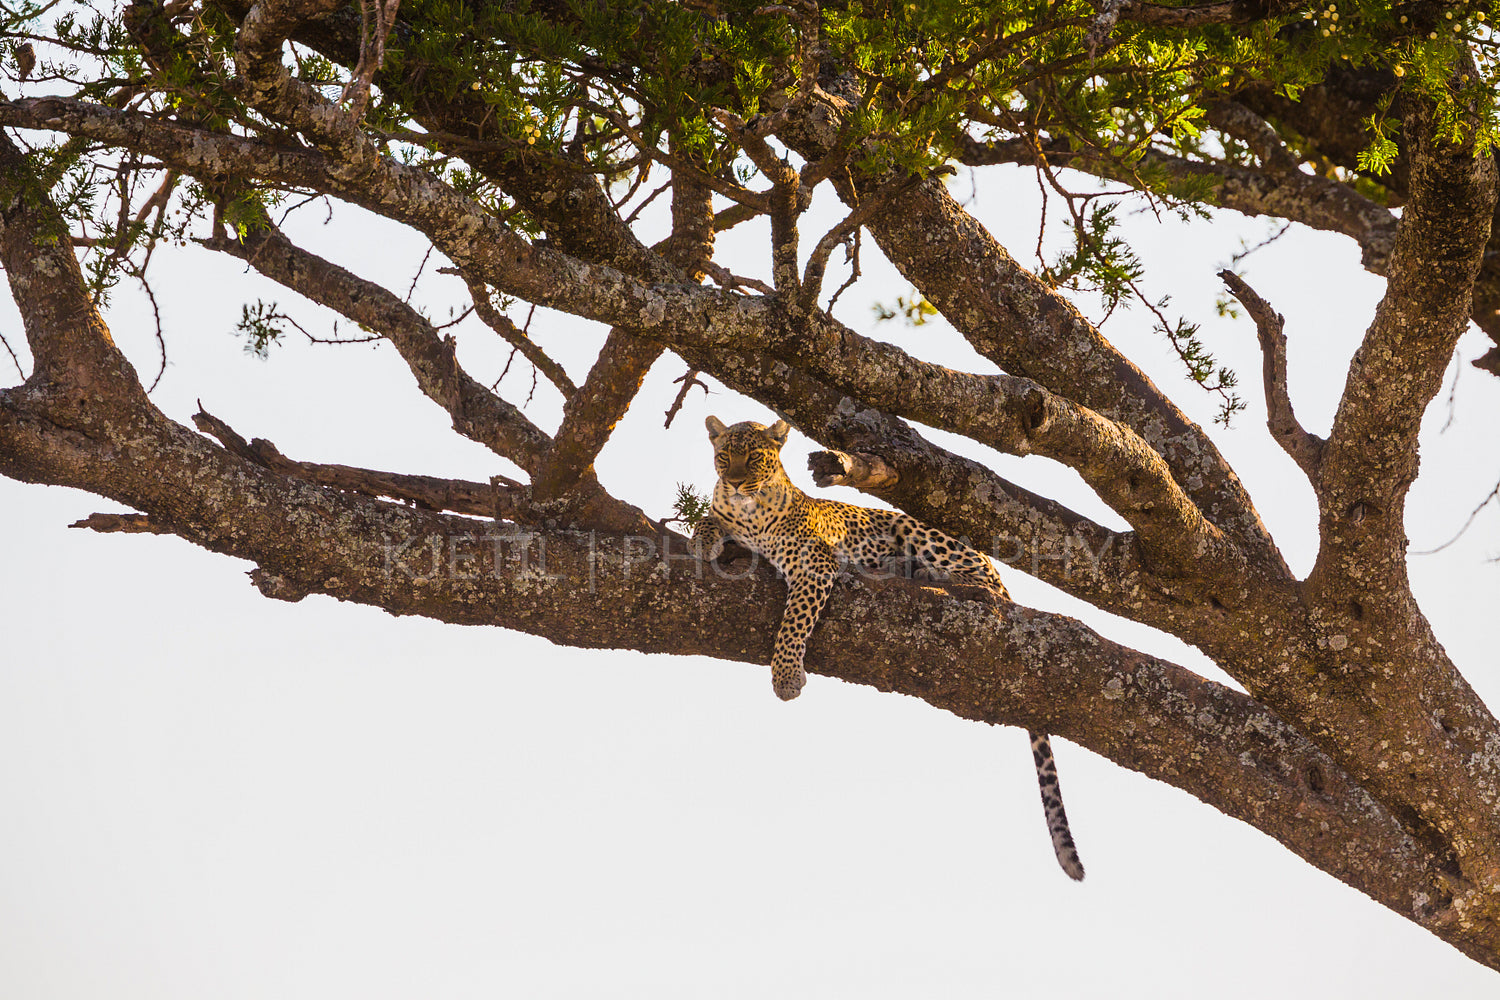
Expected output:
{"points": [[707, 543], [708, 549], [788, 685]]}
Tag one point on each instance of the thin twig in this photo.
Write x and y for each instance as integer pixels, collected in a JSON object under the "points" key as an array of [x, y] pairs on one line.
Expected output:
{"points": [[1474, 514], [635, 212], [851, 258], [518, 339], [1247, 251], [509, 360], [418, 276], [13, 359], [465, 314], [688, 379], [161, 341], [817, 263], [1452, 393], [305, 201]]}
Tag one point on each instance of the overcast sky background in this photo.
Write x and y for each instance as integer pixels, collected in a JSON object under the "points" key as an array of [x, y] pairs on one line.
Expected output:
{"points": [[208, 794]]}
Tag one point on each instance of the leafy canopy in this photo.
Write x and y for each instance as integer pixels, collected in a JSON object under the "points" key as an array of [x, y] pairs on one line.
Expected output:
{"points": [[618, 87]]}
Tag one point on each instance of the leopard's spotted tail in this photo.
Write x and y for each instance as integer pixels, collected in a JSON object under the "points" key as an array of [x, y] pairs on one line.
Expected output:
{"points": [[1052, 804]]}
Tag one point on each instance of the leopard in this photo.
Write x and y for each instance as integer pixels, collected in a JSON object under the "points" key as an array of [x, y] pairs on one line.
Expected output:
{"points": [[810, 540]]}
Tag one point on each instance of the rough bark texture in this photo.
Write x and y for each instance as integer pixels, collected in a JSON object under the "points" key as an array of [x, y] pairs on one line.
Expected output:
{"points": [[1359, 745]]}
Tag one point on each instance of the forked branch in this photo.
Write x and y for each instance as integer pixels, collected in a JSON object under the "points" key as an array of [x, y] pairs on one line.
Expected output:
{"points": [[591, 413], [477, 413]]}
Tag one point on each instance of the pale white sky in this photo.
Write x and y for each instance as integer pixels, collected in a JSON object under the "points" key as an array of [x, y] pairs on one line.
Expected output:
{"points": [[210, 794]]}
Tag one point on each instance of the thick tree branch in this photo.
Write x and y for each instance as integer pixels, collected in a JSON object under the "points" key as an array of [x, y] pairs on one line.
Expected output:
{"points": [[1381, 661], [70, 345], [590, 416], [591, 413], [996, 664], [1371, 453]]}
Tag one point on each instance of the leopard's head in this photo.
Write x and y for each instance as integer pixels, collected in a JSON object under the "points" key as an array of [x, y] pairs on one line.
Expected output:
{"points": [[747, 455]]}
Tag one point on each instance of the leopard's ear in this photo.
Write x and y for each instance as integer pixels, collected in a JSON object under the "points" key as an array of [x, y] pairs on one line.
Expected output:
{"points": [[715, 427], [778, 432]]}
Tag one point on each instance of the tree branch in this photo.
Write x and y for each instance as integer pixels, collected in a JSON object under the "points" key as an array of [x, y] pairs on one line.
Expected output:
{"points": [[1204, 15], [861, 470], [425, 492], [264, 82], [1381, 659], [591, 413], [1305, 449], [477, 413], [1370, 457], [1314, 201], [1233, 118], [121, 523], [517, 338], [995, 664], [1026, 328], [590, 416], [70, 345]]}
